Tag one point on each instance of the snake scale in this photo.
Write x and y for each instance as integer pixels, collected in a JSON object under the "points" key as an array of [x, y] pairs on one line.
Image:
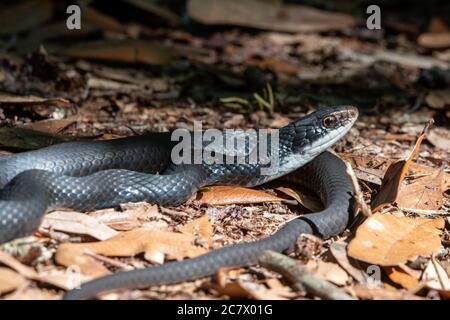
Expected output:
{"points": [[89, 175]]}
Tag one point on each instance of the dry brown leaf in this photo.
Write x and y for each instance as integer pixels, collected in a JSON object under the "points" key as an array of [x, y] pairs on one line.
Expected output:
{"points": [[267, 15], [425, 193], [152, 242], [388, 240], [436, 277], [79, 223], [69, 255], [131, 51], [224, 195], [10, 280], [401, 277], [199, 227], [394, 176], [329, 271]]}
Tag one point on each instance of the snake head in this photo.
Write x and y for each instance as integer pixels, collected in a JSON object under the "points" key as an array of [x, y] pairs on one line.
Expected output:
{"points": [[319, 130]]}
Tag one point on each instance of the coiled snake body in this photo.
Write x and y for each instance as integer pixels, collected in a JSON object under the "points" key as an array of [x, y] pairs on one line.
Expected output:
{"points": [[92, 175]]}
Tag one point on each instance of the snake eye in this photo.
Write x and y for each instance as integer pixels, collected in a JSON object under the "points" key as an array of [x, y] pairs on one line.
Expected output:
{"points": [[329, 121]]}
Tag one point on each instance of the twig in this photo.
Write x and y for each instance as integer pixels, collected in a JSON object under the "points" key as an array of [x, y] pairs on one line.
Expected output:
{"points": [[107, 260], [359, 198], [426, 212], [301, 276]]}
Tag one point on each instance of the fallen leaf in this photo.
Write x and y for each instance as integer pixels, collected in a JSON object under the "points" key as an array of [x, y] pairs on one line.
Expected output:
{"points": [[10, 280], [267, 15], [225, 195], [201, 227], [389, 240], [394, 176], [425, 193], [436, 278], [78, 223], [126, 244], [69, 255], [401, 277]]}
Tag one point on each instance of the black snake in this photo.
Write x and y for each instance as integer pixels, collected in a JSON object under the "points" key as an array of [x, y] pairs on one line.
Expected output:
{"points": [[97, 174]]}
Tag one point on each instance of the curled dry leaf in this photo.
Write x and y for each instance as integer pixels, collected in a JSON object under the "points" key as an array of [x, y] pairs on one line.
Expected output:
{"points": [[389, 240], [79, 223], [394, 176], [153, 243], [224, 195]]}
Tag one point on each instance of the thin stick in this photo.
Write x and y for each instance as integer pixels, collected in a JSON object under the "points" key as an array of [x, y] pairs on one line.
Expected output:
{"points": [[359, 198], [301, 277]]}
